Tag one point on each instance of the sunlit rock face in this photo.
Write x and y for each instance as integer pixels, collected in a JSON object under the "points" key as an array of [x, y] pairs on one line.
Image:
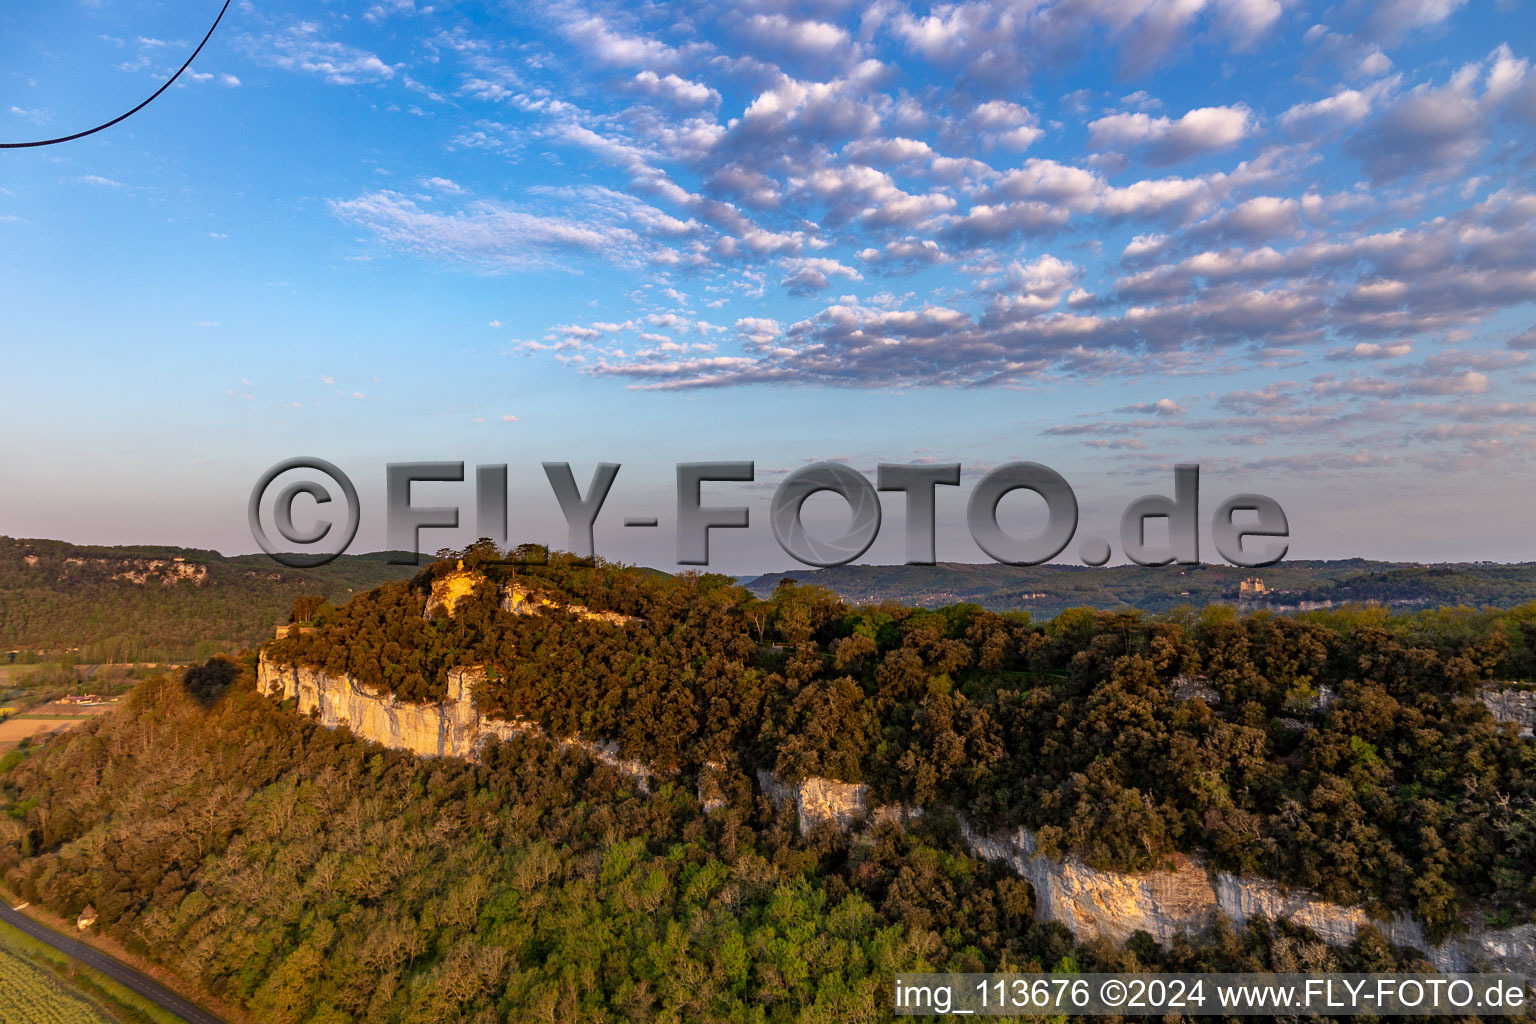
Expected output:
{"points": [[450, 589], [521, 601], [819, 801], [1105, 904], [452, 728], [431, 730]]}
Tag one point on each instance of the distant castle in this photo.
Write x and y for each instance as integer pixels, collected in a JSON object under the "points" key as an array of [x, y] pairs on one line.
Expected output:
{"points": [[1252, 587]]}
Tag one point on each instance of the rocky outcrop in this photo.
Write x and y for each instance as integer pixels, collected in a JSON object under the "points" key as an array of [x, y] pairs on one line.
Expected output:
{"points": [[1513, 705], [1183, 900], [1104, 904], [450, 589], [521, 601], [1190, 687], [138, 571], [711, 787], [819, 801], [451, 728]]}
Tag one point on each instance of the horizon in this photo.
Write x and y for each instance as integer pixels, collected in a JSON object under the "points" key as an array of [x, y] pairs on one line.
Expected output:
{"points": [[427, 559]]}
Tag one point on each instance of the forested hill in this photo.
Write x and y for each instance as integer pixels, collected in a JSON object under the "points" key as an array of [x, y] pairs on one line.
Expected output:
{"points": [[1344, 751], [1049, 589], [306, 876], [153, 603]]}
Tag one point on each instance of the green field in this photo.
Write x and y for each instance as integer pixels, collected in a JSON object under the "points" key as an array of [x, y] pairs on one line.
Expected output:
{"points": [[41, 985], [30, 996]]}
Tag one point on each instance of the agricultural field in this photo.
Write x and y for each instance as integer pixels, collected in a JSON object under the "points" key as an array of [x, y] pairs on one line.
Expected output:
{"points": [[70, 983], [49, 718], [29, 996], [30, 696], [14, 730]]}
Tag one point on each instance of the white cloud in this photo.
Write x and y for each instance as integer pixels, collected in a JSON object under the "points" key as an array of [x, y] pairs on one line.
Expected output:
{"points": [[1200, 131], [1391, 20], [1003, 123], [995, 43], [904, 253], [807, 274], [301, 48], [1372, 350], [802, 37], [491, 234], [594, 34], [1343, 108], [1247, 21], [861, 174], [1437, 130], [1255, 220], [676, 90], [1161, 407]]}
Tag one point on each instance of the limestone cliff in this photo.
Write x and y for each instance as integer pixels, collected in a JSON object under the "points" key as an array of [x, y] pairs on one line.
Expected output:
{"points": [[137, 570], [842, 804], [452, 728], [1513, 704], [1184, 900]]}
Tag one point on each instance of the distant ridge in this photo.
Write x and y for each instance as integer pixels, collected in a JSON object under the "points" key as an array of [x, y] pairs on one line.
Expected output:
{"points": [[1289, 586], [149, 602]]}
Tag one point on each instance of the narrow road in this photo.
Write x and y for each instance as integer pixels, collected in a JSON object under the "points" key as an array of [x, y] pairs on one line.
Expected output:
{"points": [[113, 968]]}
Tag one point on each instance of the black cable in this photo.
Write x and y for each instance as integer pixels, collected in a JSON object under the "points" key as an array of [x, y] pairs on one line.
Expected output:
{"points": [[135, 110]]}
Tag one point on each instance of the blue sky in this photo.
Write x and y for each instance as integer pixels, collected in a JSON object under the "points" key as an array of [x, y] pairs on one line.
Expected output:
{"points": [[1291, 242]]}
